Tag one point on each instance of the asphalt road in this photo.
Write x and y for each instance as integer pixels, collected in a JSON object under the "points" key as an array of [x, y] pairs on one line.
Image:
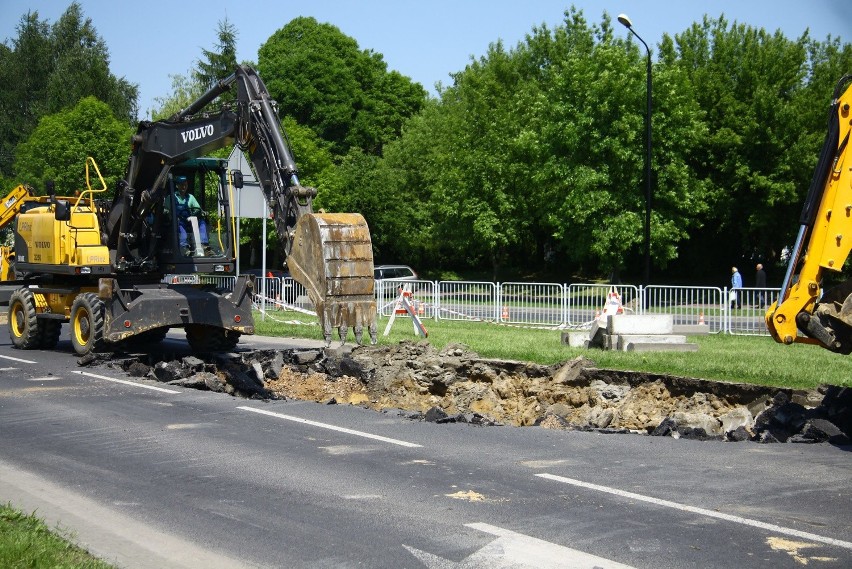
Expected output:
{"points": [[147, 475]]}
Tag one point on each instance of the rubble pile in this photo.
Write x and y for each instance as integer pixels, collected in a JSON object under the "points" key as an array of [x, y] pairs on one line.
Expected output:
{"points": [[455, 385]]}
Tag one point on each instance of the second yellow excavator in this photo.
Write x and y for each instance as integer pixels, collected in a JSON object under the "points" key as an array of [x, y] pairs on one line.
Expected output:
{"points": [[805, 312]]}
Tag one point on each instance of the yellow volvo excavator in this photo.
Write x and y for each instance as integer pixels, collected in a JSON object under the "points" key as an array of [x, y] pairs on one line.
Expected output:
{"points": [[804, 311], [125, 268]]}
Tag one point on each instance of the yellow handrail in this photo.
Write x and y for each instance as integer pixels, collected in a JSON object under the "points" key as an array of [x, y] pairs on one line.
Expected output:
{"points": [[89, 189]]}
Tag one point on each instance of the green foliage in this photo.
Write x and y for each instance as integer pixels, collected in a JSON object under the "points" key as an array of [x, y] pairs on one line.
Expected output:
{"points": [[58, 147], [47, 68], [219, 64], [320, 77], [765, 124], [26, 542], [214, 66]]}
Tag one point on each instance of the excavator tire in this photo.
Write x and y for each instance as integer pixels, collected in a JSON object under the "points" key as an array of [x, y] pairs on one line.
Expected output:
{"points": [[332, 257], [24, 330], [87, 323], [211, 339]]}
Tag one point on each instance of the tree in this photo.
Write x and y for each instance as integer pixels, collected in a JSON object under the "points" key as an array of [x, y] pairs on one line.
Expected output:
{"points": [[47, 68], [58, 147], [762, 138], [320, 77], [218, 64]]}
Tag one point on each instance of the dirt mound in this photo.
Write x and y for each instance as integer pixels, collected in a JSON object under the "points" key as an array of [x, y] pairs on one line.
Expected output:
{"points": [[456, 385]]}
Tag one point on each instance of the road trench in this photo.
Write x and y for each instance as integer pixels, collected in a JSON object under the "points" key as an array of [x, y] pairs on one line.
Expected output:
{"points": [[456, 385]]}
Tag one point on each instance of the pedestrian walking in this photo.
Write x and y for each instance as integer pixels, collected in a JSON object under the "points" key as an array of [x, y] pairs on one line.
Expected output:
{"points": [[736, 284], [760, 282]]}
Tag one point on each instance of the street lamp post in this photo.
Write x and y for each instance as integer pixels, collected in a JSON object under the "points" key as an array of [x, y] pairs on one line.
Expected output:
{"points": [[625, 21]]}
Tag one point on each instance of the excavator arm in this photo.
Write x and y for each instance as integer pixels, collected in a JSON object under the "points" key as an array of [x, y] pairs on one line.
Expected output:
{"points": [[804, 312], [330, 254], [9, 208]]}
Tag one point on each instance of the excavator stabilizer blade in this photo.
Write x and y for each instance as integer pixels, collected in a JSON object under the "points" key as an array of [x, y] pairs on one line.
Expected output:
{"points": [[332, 257]]}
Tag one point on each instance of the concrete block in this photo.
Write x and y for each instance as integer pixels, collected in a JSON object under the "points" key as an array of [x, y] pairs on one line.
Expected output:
{"points": [[575, 339], [625, 339], [658, 347], [639, 324], [691, 329]]}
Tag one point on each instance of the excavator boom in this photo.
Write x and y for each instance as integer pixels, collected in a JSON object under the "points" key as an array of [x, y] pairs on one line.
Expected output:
{"points": [[330, 254], [804, 312]]}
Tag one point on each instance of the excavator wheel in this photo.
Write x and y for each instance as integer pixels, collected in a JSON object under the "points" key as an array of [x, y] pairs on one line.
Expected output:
{"points": [[211, 338], [332, 257], [23, 324], [87, 323]]}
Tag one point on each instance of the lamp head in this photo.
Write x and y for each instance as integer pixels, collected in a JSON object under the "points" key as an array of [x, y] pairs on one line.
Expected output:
{"points": [[625, 21]]}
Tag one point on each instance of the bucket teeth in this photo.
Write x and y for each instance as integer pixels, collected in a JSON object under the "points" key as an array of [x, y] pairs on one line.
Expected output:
{"points": [[332, 257]]}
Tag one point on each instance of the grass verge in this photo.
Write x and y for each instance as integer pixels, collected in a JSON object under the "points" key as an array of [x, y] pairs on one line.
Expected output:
{"points": [[721, 357], [26, 542]]}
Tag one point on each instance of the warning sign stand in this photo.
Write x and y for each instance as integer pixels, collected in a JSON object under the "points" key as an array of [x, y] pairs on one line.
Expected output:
{"points": [[612, 306], [404, 306]]}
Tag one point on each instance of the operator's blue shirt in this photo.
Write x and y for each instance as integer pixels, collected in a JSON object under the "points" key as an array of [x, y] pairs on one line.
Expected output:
{"points": [[737, 280]]}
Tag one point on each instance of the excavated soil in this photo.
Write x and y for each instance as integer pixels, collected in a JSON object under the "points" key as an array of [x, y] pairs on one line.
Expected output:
{"points": [[456, 385]]}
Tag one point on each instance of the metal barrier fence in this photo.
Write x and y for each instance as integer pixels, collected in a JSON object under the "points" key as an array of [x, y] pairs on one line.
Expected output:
{"points": [[688, 306], [535, 304], [723, 310], [746, 308]]}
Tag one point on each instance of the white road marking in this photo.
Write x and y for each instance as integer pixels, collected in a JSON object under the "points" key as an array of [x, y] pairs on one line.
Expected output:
{"points": [[9, 368], [124, 381], [332, 427], [17, 359], [516, 550], [47, 378], [700, 511]]}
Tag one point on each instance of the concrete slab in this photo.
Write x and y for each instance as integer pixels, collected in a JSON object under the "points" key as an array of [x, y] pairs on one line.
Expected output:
{"points": [[624, 339], [657, 347], [575, 339], [639, 324]]}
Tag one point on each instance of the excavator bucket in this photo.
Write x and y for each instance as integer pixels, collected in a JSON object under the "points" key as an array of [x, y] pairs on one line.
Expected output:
{"points": [[332, 256]]}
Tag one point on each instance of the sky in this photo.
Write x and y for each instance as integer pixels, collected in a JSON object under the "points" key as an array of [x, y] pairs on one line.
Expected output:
{"points": [[425, 40]]}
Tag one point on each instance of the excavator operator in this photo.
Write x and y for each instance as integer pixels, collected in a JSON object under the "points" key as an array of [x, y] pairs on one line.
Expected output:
{"points": [[187, 206]]}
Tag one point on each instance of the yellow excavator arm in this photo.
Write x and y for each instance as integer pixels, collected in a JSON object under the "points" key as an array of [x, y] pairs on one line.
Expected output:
{"points": [[804, 312], [9, 208]]}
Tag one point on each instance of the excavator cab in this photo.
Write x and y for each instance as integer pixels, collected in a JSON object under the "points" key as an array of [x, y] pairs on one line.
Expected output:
{"points": [[194, 218]]}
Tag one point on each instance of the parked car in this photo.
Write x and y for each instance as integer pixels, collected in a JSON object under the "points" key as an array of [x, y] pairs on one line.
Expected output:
{"points": [[401, 272]]}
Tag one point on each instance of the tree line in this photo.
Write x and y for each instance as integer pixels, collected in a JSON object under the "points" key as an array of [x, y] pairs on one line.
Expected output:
{"points": [[529, 164]]}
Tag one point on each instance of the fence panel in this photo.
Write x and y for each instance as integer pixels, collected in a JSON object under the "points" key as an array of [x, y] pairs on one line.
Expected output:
{"points": [[584, 300], [224, 282], [467, 300], [689, 305], [541, 304], [734, 311], [746, 309]]}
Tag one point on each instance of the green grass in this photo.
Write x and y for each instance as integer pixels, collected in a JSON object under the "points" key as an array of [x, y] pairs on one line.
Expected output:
{"points": [[26, 542], [743, 359]]}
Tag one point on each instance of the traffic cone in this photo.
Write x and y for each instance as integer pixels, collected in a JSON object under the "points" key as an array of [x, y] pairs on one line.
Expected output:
{"points": [[701, 317], [505, 314]]}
